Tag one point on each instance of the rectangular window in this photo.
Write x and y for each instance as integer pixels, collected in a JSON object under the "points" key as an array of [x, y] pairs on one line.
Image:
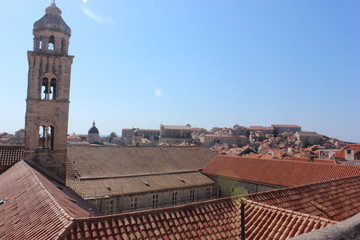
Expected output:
{"points": [[155, 201], [110, 206], [207, 193], [174, 198], [192, 195], [98, 204], [134, 202]]}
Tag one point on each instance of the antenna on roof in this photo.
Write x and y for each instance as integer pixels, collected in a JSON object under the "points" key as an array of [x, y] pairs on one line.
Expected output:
{"points": [[52, 2]]}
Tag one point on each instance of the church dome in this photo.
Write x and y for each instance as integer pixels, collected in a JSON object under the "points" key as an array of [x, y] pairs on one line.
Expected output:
{"points": [[93, 129], [52, 21]]}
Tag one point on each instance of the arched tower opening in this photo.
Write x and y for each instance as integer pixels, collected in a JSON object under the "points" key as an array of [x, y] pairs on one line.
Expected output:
{"points": [[48, 88], [46, 137], [51, 45]]}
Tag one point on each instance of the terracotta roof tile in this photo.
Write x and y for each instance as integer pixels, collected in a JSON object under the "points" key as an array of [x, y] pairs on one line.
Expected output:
{"points": [[341, 154], [190, 222], [289, 173], [260, 128], [337, 199], [285, 126], [35, 207], [10, 155], [316, 160], [254, 155], [93, 162]]}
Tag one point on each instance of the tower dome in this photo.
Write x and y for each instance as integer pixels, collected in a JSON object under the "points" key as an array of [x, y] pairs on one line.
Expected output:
{"points": [[52, 21], [51, 33]]}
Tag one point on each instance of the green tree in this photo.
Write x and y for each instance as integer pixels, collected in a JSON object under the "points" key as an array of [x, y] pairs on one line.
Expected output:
{"points": [[112, 136]]}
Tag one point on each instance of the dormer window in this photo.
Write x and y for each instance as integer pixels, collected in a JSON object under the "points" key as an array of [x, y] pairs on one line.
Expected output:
{"points": [[51, 45]]}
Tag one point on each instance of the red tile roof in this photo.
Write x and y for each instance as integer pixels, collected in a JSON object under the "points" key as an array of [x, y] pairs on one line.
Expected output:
{"points": [[254, 155], [337, 199], [285, 126], [341, 154], [355, 147], [267, 156], [259, 128], [316, 160], [278, 172], [9, 155], [217, 219], [224, 136], [35, 207], [92, 162]]}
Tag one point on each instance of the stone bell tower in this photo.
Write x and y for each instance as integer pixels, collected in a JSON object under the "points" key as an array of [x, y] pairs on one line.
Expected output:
{"points": [[47, 103]]}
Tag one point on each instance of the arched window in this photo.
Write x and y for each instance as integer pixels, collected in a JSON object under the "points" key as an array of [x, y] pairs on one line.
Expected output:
{"points": [[62, 45], [45, 89], [40, 43], [52, 89], [46, 137], [48, 89], [51, 45]]}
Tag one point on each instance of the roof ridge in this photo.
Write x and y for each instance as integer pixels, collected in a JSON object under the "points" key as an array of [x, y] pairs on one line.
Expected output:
{"points": [[65, 213], [219, 200], [303, 186], [139, 175], [302, 170], [292, 211]]}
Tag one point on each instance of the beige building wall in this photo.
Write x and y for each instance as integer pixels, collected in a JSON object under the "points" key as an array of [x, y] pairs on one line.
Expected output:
{"points": [[210, 140], [228, 187], [142, 201]]}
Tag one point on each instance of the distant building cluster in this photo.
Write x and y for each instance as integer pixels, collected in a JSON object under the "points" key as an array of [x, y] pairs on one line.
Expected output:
{"points": [[238, 140], [277, 140], [172, 135], [13, 139]]}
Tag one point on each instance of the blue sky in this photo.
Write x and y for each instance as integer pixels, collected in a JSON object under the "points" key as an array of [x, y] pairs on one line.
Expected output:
{"points": [[140, 63]]}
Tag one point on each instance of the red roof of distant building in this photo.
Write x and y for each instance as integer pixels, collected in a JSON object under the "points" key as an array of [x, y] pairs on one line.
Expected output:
{"points": [[284, 173], [341, 154], [259, 128], [285, 126], [316, 160], [267, 156], [356, 147], [10, 155], [254, 155], [216, 219], [224, 136], [336, 199]]}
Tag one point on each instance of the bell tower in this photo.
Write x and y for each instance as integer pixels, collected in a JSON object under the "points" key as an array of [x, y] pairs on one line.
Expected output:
{"points": [[47, 103]]}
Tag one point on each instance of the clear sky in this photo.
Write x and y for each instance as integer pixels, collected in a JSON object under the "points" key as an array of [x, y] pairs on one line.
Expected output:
{"points": [[140, 63]]}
